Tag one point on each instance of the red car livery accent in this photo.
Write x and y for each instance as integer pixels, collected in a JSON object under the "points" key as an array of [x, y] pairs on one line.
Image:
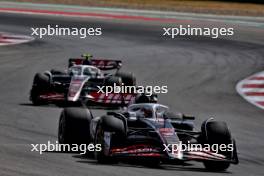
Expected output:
{"points": [[138, 150], [112, 98]]}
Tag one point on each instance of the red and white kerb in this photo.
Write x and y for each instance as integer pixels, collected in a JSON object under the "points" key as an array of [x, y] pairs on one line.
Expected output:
{"points": [[12, 39], [252, 89]]}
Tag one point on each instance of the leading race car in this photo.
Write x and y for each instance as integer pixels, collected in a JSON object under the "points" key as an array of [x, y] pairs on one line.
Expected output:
{"points": [[149, 132], [81, 81]]}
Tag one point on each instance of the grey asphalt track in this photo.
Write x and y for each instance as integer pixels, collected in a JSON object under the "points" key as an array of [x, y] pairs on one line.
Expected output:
{"points": [[201, 74]]}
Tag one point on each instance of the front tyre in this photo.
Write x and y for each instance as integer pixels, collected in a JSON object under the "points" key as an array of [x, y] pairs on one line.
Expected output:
{"points": [[41, 83], [216, 165], [108, 127], [214, 132], [74, 126]]}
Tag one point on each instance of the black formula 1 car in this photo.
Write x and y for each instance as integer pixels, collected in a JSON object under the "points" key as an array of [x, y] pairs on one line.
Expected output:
{"points": [[81, 81], [149, 132]]}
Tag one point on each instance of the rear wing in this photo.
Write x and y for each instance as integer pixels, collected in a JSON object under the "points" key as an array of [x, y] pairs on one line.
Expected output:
{"points": [[102, 64]]}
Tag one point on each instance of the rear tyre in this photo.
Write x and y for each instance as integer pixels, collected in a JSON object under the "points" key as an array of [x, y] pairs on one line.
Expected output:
{"points": [[41, 82], [142, 99], [214, 132], [108, 128], [58, 72], [74, 126], [110, 81], [127, 78]]}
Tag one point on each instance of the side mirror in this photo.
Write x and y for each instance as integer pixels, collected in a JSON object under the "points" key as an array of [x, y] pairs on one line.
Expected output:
{"points": [[119, 65], [132, 116]]}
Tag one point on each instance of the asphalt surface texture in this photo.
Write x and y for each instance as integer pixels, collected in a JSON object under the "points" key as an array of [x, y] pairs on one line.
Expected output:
{"points": [[201, 74]]}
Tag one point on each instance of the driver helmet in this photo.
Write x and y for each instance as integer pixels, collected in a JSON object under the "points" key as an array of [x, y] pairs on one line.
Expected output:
{"points": [[87, 59], [146, 112]]}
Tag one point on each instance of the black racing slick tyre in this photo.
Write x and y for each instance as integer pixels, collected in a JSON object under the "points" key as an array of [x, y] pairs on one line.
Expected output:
{"points": [[215, 132], [107, 129], [41, 82], [142, 99], [216, 166], [110, 81], [128, 79], [58, 72], [74, 126]]}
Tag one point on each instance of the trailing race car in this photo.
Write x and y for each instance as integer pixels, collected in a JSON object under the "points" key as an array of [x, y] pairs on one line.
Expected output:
{"points": [[148, 132], [80, 81]]}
